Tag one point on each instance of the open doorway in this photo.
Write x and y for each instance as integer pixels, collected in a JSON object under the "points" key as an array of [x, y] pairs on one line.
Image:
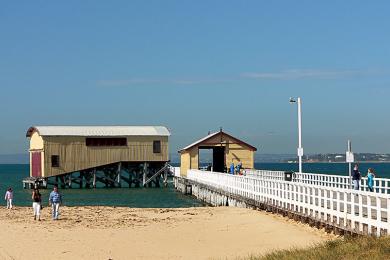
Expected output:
{"points": [[212, 158]]}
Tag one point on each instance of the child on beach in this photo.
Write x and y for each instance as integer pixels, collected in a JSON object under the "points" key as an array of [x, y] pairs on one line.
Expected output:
{"points": [[370, 179], [36, 198], [9, 195]]}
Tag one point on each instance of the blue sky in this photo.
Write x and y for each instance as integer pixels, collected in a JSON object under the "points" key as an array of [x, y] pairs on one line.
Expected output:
{"points": [[197, 65]]}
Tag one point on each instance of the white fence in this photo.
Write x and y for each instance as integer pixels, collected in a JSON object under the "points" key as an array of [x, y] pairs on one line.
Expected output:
{"points": [[381, 185], [361, 211], [175, 171]]}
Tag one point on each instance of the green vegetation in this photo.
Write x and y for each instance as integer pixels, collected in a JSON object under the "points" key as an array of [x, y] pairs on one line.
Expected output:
{"points": [[345, 249]]}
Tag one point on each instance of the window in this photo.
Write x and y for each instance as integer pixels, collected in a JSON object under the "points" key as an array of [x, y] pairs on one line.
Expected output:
{"points": [[55, 161], [156, 146], [106, 141]]}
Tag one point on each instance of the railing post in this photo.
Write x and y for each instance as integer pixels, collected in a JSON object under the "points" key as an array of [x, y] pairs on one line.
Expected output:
{"points": [[369, 214], [338, 202], [346, 209], [388, 215], [360, 212], [378, 216]]}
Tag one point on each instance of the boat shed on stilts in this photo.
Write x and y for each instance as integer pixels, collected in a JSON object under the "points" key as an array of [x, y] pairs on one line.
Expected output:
{"points": [[91, 155]]}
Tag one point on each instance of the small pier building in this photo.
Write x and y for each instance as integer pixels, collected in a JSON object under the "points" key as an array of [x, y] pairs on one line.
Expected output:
{"points": [[226, 149], [86, 155]]}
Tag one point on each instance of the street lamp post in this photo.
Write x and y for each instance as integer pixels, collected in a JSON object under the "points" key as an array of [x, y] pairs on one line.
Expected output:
{"points": [[349, 159], [300, 148]]}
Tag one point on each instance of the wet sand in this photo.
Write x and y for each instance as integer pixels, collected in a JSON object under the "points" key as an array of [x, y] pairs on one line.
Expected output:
{"points": [[128, 233]]}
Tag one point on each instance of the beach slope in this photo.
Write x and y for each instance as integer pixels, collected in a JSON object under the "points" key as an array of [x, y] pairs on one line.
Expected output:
{"points": [[128, 233]]}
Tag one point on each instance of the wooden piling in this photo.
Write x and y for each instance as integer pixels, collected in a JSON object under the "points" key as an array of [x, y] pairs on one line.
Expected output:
{"points": [[94, 178]]}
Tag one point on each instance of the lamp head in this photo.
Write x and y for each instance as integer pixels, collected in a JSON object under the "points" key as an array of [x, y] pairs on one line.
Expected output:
{"points": [[292, 100]]}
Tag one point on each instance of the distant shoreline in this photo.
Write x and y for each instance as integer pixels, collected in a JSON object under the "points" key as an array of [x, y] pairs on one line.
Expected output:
{"points": [[360, 162]]}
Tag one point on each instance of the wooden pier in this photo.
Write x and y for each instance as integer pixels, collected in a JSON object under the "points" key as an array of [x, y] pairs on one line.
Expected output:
{"points": [[33, 182], [314, 199], [117, 175]]}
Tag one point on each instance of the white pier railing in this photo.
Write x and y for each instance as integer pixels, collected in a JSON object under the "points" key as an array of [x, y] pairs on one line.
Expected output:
{"points": [[175, 171], [360, 211], [381, 185]]}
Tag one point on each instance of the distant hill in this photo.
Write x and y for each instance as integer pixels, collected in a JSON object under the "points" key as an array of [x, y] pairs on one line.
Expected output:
{"points": [[14, 158], [273, 158]]}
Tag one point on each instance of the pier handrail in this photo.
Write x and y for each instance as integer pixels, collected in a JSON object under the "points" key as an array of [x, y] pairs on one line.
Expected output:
{"points": [[381, 185], [175, 171], [358, 210]]}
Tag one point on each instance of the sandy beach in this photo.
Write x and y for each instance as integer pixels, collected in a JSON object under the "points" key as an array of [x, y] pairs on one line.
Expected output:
{"points": [[128, 233]]}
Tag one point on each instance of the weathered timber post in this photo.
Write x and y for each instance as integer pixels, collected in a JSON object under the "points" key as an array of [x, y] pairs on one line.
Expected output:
{"points": [[144, 173], [166, 175], [70, 180], [94, 178], [130, 178], [118, 180], [63, 181], [105, 177], [88, 176], [137, 180], [81, 179]]}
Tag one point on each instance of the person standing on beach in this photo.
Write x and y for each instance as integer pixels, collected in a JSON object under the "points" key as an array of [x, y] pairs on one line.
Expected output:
{"points": [[356, 176], [9, 195], [370, 179], [37, 200], [55, 199]]}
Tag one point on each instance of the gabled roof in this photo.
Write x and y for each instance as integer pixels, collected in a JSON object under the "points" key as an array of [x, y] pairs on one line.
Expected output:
{"points": [[99, 131], [214, 134]]}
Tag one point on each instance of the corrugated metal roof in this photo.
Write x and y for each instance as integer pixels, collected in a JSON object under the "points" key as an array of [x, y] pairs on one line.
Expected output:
{"points": [[99, 131], [199, 141], [214, 134]]}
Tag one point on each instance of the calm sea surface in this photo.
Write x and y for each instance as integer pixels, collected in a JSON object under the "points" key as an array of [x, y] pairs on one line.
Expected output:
{"points": [[11, 175]]}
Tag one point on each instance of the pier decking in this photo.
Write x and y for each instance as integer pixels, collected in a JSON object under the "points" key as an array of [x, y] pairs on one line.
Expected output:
{"points": [[318, 199]]}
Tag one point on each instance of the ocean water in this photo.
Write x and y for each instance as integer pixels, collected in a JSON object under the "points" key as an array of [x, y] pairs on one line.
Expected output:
{"points": [[11, 175]]}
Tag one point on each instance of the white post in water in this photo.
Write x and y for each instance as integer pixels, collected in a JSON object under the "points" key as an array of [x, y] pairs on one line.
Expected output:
{"points": [[349, 159], [300, 148]]}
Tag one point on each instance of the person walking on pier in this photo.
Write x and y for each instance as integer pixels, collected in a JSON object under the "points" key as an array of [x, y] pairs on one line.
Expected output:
{"points": [[37, 200], [232, 168], [55, 199], [9, 196], [370, 179], [356, 176], [238, 168]]}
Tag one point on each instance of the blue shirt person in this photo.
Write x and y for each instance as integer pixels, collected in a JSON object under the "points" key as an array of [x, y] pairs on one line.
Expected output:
{"points": [[232, 168], [55, 199], [370, 179], [238, 168]]}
